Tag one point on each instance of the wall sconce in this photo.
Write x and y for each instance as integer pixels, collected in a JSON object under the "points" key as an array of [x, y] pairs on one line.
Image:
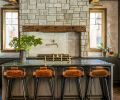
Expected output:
{"points": [[13, 1], [94, 2], [8, 2]]}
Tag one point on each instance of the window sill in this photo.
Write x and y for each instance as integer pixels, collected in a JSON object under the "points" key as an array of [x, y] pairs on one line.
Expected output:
{"points": [[94, 50]]}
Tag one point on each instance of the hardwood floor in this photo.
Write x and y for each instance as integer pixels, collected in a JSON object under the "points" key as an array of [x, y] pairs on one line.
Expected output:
{"points": [[116, 95]]}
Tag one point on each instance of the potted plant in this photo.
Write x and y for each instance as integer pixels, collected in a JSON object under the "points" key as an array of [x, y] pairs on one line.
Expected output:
{"points": [[24, 43], [103, 49]]}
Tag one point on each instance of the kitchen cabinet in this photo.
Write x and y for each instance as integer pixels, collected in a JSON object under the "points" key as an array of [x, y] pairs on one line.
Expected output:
{"points": [[116, 69]]}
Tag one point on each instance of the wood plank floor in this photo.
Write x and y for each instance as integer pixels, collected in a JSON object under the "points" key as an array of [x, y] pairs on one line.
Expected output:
{"points": [[116, 95]]}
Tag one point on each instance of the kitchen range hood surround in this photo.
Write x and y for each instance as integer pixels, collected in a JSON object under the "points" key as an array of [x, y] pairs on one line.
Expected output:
{"points": [[53, 28]]}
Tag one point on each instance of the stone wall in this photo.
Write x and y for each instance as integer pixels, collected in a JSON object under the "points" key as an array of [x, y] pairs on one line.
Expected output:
{"points": [[66, 13], [112, 24], [56, 12]]}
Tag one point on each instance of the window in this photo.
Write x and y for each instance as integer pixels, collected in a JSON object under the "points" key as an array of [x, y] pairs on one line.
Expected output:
{"points": [[9, 27], [97, 28]]}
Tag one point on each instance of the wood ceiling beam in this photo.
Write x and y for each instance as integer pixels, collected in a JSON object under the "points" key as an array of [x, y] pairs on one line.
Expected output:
{"points": [[52, 28]]}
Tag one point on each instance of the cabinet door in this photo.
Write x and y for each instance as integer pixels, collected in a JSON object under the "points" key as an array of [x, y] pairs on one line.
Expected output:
{"points": [[116, 69]]}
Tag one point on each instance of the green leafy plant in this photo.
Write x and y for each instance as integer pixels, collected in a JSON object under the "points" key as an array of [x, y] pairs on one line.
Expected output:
{"points": [[102, 48], [25, 42]]}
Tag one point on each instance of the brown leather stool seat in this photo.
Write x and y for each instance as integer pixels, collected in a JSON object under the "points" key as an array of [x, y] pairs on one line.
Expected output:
{"points": [[99, 72], [39, 74], [14, 73], [73, 72], [43, 72], [76, 74]]}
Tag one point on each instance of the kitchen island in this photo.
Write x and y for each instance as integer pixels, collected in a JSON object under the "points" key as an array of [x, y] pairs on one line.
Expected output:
{"points": [[30, 65]]}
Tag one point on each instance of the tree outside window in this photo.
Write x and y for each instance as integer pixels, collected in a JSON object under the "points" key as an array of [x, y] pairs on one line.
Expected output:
{"points": [[9, 27]]}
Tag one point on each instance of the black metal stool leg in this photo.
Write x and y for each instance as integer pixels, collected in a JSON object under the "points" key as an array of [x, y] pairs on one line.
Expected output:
{"points": [[7, 88], [35, 88], [86, 88], [79, 88], [26, 88], [94, 85], [102, 83], [10, 88], [63, 88], [51, 85], [91, 79], [24, 92], [108, 94]]}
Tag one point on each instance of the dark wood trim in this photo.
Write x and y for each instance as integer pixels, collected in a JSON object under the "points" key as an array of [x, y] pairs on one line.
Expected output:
{"points": [[98, 8], [118, 26], [1, 29], [51, 28], [80, 45], [94, 50], [2, 9], [105, 28], [109, 0]]}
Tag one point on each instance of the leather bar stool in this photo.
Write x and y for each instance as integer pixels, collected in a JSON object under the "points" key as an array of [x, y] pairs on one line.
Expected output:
{"points": [[12, 74], [102, 74], [72, 72], [44, 73]]}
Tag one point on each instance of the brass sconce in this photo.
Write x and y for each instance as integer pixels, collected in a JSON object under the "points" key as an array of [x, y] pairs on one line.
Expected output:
{"points": [[94, 2]]}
